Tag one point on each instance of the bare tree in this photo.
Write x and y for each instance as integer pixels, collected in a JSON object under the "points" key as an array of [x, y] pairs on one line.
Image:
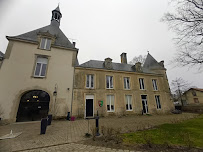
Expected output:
{"points": [[179, 86], [187, 22], [139, 58]]}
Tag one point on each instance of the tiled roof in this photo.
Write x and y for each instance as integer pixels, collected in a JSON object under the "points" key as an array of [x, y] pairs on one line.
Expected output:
{"points": [[61, 39], [197, 89]]}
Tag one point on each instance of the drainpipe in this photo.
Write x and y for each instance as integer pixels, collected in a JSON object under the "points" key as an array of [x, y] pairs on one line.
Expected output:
{"points": [[73, 87]]}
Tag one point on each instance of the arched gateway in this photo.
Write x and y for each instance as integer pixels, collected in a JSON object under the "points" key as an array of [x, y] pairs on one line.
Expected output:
{"points": [[33, 106]]}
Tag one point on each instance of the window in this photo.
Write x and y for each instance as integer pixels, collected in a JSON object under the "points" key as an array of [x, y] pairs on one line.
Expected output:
{"points": [[141, 81], [41, 66], [45, 44], [110, 103], [128, 99], [154, 84], [158, 104], [194, 93], [126, 83], [109, 82], [196, 100], [90, 81]]}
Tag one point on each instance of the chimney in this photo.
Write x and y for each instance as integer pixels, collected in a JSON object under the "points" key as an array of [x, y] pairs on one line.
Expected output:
{"points": [[161, 63], [138, 67], [108, 63], [124, 58], [74, 43]]}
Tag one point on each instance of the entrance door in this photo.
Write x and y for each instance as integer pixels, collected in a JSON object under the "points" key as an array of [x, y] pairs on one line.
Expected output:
{"points": [[34, 105], [144, 103], [89, 105]]}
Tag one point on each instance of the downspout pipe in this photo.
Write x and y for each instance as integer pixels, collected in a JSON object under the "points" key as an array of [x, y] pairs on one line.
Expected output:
{"points": [[73, 85]]}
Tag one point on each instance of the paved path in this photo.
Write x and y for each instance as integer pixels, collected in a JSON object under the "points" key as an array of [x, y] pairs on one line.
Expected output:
{"points": [[65, 134], [72, 147]]}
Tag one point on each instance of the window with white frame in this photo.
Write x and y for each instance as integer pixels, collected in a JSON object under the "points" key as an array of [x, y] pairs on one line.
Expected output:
{"points": [[141, 81], [128, 99], [158, 103], [45, 44], [154, 83], [41, 67], [90, 81], [109, 82], [126, 83], [110, 103]]}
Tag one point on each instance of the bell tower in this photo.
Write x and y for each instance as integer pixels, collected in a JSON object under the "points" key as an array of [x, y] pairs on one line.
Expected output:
{"points": [[56, 17]]}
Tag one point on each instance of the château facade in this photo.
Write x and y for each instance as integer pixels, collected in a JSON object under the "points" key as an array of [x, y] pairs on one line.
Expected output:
{"points": [[40, 75]]}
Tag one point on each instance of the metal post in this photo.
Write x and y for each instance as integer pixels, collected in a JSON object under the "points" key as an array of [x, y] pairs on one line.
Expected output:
{"points": [[97, 124]]}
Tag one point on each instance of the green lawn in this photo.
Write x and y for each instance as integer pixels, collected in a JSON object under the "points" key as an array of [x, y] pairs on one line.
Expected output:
{"points": [[187, 133]]}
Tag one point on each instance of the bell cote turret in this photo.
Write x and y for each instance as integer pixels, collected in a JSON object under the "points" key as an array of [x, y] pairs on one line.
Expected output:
{"points": [[56, 17]]}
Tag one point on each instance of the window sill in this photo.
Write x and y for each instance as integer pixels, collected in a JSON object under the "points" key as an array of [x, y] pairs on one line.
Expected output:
{"points": [[129, 110], [90, 88], [110, 88], [127, 89], [110, 111], [38, 77]]}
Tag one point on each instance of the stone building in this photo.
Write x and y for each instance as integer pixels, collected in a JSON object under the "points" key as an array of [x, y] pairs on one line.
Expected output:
{"points": [[193, 96], [40, 75], [36, 76], [120, 88]]}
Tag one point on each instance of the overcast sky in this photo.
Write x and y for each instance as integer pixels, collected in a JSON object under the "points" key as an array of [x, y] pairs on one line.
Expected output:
{"points": [[101, 28]]}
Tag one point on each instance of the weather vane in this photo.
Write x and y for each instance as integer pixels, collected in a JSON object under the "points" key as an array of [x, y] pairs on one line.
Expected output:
{"points": [[148, 51]]}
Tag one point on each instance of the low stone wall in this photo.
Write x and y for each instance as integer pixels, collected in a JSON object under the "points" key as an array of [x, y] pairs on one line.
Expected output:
{"points": [[193, 108]]}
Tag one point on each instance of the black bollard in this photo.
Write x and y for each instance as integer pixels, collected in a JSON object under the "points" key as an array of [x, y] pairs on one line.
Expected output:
{"points": [[68, 116], [49, 119], [97, 124], [43, 126]]}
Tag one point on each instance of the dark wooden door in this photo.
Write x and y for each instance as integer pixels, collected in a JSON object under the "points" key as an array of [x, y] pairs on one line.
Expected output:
{"points": [[89, 107]]}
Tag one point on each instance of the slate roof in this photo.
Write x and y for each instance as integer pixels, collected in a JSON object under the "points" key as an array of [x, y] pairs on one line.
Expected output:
{"points": [[53, 29], [151, 63], [61, 39], [1, 55], [57, 9], [95, 64], [100, 65]]}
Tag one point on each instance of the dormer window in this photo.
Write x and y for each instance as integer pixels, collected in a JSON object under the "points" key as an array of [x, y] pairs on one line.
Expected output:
{"points": [[45, 44]]}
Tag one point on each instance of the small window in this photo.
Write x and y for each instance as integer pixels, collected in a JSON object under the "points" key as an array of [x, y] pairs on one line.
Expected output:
{"points": [[128, 99], [45, 44], [41, 67], [90, 81], [109, 82], [141, 81], [158, 104], [154, 84], [194, 93], [110, 103], [196, 100], [126, 83]]}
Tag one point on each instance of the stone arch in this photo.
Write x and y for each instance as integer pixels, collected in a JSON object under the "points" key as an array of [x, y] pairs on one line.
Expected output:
{"points": [[34, 105], [17, 98]]}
